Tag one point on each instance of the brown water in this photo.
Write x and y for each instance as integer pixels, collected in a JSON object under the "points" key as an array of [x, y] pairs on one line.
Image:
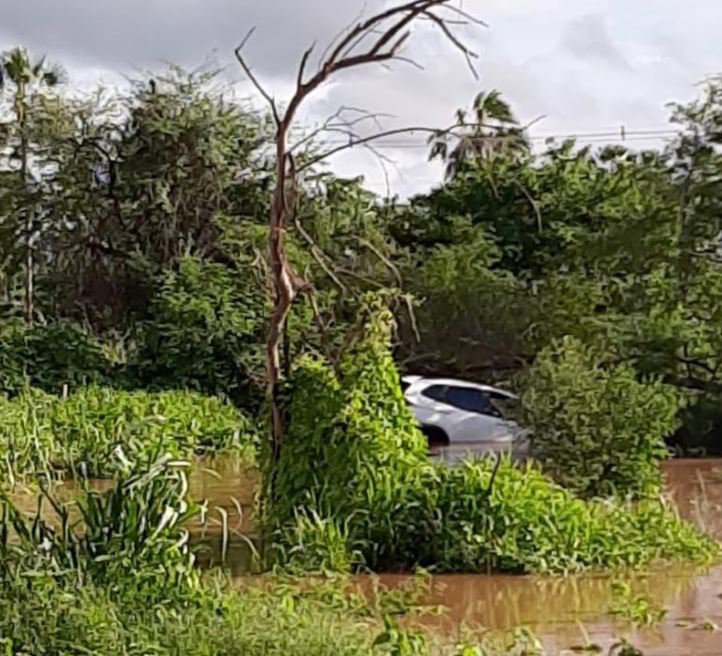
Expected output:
{"points": [[573, 611], [227, 486], [553, 607]]}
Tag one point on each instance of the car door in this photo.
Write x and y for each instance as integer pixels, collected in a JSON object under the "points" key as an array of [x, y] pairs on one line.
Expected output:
{"points": [[475, 419], [427, 402]]}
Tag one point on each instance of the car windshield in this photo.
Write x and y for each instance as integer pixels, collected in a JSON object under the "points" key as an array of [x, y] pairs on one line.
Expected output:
{"points": [[506, 406]]}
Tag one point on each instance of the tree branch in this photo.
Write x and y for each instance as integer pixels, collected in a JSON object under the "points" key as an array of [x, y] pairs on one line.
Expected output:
{"points": [[254, 80], [302, 66], [364, 140]]}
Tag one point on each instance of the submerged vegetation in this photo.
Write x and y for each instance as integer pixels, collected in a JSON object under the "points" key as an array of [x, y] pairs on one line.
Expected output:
{"points": [[355, 488], [87, 431]]}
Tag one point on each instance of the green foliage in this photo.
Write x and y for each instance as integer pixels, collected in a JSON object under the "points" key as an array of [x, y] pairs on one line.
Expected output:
{"points": [[278, 617], [396, 641], [140, 198], [204, 332], [456, 285], [129, 538], [147, 189], [85, 432], [314, 544], [353, 458], [596, 428], [369, 458], [497, 516], [50, 357], [221, 623]]}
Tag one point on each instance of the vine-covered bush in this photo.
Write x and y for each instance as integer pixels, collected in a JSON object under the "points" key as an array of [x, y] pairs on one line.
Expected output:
{"points": [[353, 452], [354, 486], [88, 430], [596, 429]]}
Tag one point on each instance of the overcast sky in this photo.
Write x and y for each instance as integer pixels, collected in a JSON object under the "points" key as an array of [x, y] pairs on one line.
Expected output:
{"points": [[587, 65]]}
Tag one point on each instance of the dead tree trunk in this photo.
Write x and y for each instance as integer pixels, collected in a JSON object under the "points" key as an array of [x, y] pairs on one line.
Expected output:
{"points": [[283, 287], [376, 40]]}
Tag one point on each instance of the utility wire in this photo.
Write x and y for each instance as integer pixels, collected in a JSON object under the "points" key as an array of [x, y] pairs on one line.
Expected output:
{"points": [[622, 135]]}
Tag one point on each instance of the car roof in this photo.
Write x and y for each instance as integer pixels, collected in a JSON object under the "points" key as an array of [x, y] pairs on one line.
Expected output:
{"points": [[453, 382]]}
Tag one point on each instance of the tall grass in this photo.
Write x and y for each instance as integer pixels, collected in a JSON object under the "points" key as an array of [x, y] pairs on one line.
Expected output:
{"points": [[498, 516], [131, 536], [86, 432]]}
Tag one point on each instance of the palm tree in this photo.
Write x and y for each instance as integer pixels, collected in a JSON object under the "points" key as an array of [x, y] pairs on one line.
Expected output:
{"points": [[21, 76], [492, 131]]}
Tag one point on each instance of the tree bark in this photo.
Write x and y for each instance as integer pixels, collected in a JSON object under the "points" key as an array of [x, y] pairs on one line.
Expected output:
{"points": [[284, 291]]}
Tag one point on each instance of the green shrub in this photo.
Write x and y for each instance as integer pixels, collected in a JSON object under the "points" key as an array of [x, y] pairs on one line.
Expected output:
{"points": [[279, 618], [596, 429], [205, 333], [354, 453], [500, 517], [85, 431], [354, 458], [51, 356]]}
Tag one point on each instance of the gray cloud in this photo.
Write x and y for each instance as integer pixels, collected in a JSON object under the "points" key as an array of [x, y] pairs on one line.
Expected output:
{"points": [[582, 70], [139, 33], [588, 37]]}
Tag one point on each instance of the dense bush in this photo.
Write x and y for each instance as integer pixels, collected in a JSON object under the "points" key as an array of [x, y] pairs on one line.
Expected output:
{"points": [[204, 332], [354, 468], [353, 452], [502, 517], [596, 429], [51, 356], [83, 432]]}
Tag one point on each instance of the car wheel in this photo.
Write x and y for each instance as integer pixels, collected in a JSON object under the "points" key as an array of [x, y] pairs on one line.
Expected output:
{"points": [[435, 436]]}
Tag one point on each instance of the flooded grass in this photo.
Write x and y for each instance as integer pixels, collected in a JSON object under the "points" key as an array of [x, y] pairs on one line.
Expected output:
{"points": [[563, 612]]}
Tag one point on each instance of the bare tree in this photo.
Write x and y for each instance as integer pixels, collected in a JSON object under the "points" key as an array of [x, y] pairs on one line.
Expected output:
{"points": [[379, 39]]}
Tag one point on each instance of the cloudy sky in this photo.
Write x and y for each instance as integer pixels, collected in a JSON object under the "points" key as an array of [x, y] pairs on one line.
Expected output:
{"points": [[588, 66]]}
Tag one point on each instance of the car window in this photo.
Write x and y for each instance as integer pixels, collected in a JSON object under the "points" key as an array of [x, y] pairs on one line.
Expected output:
{"points": [[435, 393], [506, 406], [469, 399]]}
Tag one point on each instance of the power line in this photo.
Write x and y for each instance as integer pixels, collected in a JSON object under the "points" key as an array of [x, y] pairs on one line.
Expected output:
{"points": [[621, 135]]}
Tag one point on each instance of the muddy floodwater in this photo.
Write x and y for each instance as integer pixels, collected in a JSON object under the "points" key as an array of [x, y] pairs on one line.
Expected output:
{"points": [[564, 612], [570, 612]]}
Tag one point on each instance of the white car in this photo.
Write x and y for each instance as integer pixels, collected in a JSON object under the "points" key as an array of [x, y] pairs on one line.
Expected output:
{"points": [[454, 412]]}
